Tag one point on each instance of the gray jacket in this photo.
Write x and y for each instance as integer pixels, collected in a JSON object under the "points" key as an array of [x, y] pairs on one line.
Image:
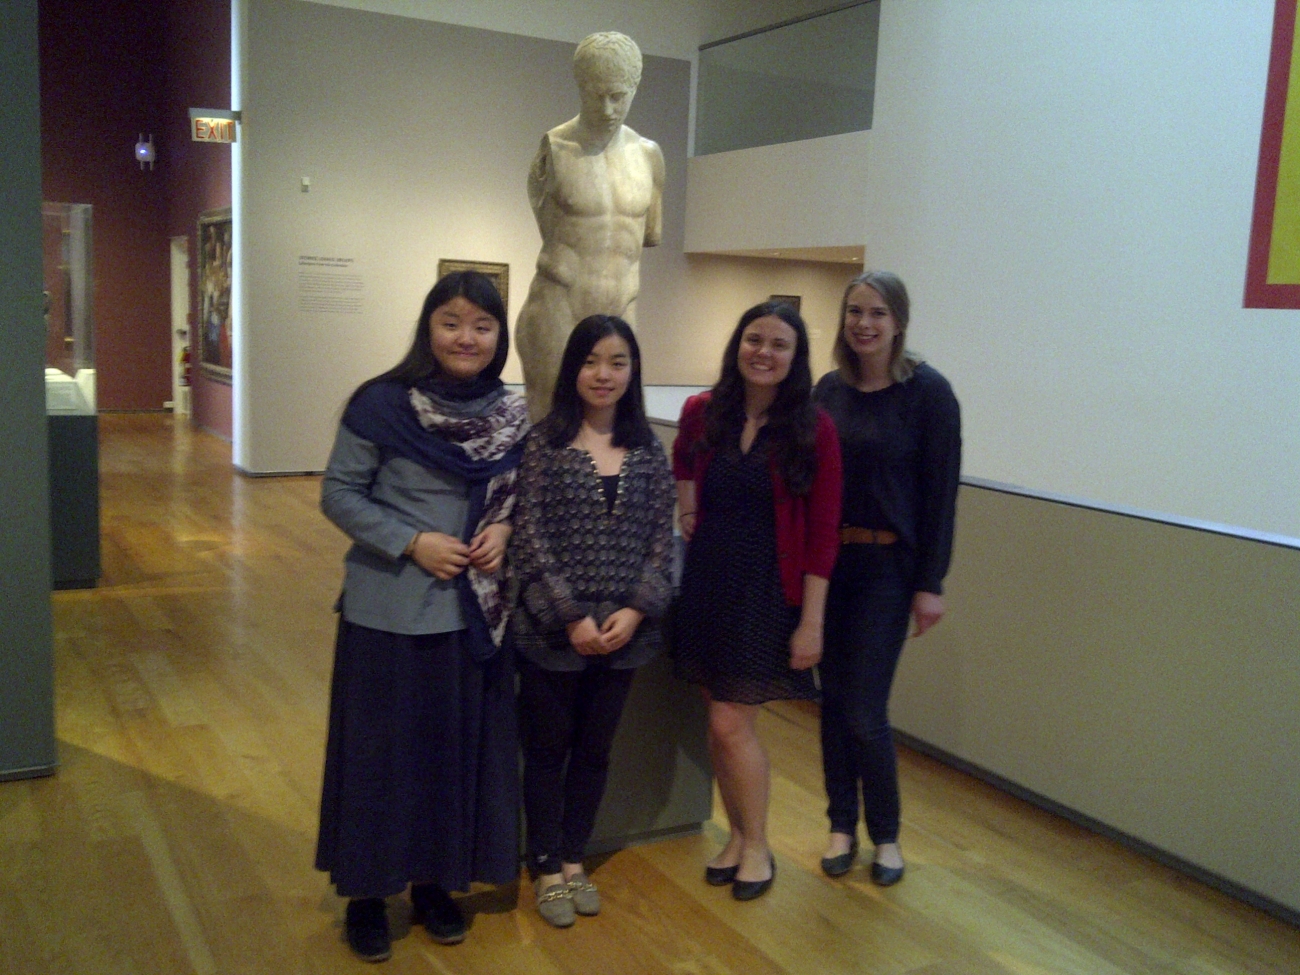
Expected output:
{"points": [[381, 505]]}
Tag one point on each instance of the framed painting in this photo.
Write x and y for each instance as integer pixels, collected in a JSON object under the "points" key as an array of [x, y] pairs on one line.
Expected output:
{"points": [[499, 273], [215, 354], [1273, 261], [794, 301]]}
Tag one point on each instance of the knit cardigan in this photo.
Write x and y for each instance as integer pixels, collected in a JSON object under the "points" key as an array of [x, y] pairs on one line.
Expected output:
{"points": [[807, 526]]}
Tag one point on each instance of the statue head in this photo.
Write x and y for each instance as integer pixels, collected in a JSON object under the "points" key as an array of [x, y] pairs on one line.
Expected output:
{"points": [[607, 67], [607, 57]]}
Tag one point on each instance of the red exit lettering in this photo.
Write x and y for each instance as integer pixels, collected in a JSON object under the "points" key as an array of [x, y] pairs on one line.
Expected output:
{"points": [[213, 130]]}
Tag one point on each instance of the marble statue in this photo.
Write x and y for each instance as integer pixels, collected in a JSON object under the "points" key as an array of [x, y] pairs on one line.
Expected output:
{"points": [[596, 188]]}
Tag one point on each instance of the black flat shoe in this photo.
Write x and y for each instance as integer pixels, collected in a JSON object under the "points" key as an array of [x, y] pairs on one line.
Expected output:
{"points": [[883, 876], [720, 876], [440, 914], [840, 865], [367, 929], [748, 890]]}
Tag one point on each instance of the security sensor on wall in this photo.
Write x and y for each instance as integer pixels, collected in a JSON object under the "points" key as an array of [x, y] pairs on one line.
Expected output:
{"points": [[144, 152]]}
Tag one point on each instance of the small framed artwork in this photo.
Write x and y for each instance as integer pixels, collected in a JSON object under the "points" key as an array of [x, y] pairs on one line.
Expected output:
{"points": [[499, 273], [215, 356], [792, 300]]}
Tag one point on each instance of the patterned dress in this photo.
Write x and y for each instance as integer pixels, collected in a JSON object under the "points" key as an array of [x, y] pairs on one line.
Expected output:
{"points": [[732, 623]]}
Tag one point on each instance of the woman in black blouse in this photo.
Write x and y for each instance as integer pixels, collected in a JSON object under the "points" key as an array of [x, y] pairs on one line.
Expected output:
{"points": [[592, 551], [900, 433]]}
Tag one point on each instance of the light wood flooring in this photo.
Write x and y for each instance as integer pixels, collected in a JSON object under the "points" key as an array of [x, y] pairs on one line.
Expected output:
{"points": [[178, 834]]}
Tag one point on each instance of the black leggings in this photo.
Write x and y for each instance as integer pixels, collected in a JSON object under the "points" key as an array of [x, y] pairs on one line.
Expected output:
{"points": [[566, 715]]}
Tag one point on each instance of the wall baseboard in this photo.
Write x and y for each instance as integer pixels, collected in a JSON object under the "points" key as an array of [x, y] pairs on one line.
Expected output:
{"points": [[33, 772], [1222, 884], [245, 472]]}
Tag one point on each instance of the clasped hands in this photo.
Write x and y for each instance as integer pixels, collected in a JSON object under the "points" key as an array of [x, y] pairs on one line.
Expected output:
{"points": [[445, 556], [591, 640]]}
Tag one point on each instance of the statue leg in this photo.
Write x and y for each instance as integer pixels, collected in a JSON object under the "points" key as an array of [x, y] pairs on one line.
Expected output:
{"points": [[541, 332]]}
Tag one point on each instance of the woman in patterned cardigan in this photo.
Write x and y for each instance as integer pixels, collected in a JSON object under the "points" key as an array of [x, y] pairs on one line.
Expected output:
{"points": [[592, 552]]}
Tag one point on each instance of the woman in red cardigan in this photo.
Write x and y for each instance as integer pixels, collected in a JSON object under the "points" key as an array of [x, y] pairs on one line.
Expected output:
{"points": [[758, 487]]}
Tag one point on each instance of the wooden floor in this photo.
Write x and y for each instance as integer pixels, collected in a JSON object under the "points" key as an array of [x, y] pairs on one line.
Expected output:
{"points": [[178, 834]]}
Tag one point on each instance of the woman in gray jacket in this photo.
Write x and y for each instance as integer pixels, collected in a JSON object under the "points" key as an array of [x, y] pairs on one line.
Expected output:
{"points": [[421, 775]]}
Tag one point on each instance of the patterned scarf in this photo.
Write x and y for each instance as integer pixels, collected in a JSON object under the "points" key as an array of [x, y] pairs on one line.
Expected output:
{"points": [[486, 437], [473, 431]]}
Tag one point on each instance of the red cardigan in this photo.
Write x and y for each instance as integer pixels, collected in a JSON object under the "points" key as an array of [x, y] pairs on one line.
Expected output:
{"points": [[807, 526]]}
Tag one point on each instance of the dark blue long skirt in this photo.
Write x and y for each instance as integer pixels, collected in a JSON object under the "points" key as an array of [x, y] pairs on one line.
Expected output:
{"points": [[421, 765]]}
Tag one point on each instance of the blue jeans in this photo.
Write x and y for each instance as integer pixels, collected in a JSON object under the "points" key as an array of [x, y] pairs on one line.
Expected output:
{"points": [[867, 613]]}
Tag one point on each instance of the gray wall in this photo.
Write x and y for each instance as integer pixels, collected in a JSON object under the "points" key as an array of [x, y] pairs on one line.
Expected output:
{"points": [[417, 138], [1144, 674], [809, 79], [26, 671]]}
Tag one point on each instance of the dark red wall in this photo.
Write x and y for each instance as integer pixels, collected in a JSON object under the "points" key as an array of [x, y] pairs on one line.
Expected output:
{"points": [[198, 75], [101, 86], [110, 70]]}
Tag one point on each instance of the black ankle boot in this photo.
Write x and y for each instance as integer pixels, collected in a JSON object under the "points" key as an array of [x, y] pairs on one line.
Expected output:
{"points": [[367, 927]]}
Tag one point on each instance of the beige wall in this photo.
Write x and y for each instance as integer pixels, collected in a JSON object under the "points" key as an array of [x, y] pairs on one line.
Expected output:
{"points": [[1067, 189], [756, 199], [1144, 674], [1073, 229], [695, 323]]}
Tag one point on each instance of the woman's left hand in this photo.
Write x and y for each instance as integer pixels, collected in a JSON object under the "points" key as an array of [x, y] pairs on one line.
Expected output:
{"points": [[487, 549], [620, 626], [806, 646], [927, 609]]}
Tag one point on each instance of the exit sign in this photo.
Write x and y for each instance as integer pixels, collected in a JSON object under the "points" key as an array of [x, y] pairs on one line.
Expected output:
{"points": [[212, 125], [212, 130]]}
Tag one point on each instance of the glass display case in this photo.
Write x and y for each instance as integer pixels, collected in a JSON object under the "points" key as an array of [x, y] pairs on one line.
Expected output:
{"points": [[69, 334], [70, 394]]}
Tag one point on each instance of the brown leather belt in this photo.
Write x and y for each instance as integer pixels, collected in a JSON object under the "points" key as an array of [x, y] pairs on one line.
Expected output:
{"points": [[849, 535]]}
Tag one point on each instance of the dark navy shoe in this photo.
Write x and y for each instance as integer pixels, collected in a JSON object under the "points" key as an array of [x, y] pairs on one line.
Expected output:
{"points": [[367, 929], [440, 914], [720, 876], [748, 890], [884, 876], [842, 864]]}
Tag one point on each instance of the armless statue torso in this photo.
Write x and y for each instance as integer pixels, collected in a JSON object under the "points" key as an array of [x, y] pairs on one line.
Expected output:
{"points": [[595, 209]]}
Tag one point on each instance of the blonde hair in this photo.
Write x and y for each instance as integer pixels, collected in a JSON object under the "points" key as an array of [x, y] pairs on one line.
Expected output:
{"points": [[890, 287]]}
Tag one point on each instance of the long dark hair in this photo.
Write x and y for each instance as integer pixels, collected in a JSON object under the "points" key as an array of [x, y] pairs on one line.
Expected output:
{"points": [[419, 363], [791, 419], [631, 429]]}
